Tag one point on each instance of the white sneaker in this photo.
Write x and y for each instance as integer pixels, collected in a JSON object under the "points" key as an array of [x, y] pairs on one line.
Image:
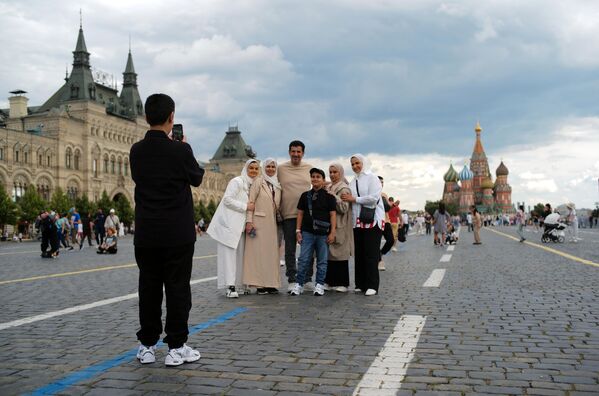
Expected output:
{"points": [[394, 249], [146, 354], [357, 290], [319, 290], [185, 354], [370, 292], [381, 265], [232, 293], [297, 290], [327, 287], [341, 289], [282, 263], [309, 286], [291, 287]]}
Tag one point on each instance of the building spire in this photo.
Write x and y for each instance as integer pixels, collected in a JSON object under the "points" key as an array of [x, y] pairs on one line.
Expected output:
{"points": [[478, 146], [80, 19]]}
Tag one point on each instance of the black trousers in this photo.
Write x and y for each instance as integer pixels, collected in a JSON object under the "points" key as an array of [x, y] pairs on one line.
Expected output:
{"points": [[171, 267], [100, 236], [289, 227], [367, 242], [86, 234], [337, 273], [49, 238], [389, 240]]}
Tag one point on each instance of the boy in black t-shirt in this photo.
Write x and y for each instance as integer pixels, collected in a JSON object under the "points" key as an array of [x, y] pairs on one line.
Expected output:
{"points": [[315, 229]]}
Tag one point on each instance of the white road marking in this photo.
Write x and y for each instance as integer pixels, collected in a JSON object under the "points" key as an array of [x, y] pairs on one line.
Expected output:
{"points": [[83, 307], [445, 258], [390, 366], [435, 279], [450, 248]]}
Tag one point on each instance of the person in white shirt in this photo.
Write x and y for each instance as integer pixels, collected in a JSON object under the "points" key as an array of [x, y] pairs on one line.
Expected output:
{"points": [[572, 222]]}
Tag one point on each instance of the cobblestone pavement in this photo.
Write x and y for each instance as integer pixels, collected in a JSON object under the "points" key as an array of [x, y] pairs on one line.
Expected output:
{"points": [[500, 318]]}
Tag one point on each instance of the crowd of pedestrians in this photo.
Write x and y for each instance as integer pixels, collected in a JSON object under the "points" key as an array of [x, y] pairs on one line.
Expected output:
{"points": [[71, 229]]}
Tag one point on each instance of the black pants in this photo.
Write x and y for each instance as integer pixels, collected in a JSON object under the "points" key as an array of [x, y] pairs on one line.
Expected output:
{"points": [[49, 238], [428, 228], [367, 242], [100, 236], [289, 227], [337, 273], [86, 234], [171, 267], [389, 241]]}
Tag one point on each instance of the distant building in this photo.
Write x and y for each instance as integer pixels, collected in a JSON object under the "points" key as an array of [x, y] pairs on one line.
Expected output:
{"points": [[475, 186], [79, 139]]}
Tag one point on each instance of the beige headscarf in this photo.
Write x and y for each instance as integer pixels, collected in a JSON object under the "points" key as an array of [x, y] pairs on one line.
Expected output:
{"points": [[244, 172], [331, 187], [274, 180]]}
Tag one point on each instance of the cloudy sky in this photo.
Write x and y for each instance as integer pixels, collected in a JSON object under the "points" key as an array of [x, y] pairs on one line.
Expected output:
{"points": [[403, 81]]}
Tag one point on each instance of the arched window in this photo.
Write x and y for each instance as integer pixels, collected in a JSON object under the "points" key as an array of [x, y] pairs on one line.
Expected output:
{"points": [[68, 158], [43, 188], [19, 188], [40, 159], [120, 166], [95, 167], [49, 160], [77, 158], [73, 190], [126, 167], [25, 156], [105, 163], [112, 165]]}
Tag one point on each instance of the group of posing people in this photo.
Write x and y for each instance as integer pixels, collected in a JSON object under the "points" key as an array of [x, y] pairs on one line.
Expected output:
{"points": [[73, 228], [331, 221]]}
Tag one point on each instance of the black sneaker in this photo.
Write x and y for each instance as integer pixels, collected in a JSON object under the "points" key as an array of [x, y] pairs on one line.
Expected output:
{"points": [[262, 291], [272, 290]]}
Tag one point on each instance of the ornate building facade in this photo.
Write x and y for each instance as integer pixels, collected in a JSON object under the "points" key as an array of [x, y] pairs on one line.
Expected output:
{"points": [[79, 139], [475, 186]]}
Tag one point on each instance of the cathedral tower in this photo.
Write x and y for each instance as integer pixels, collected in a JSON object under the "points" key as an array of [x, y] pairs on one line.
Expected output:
{"points": [[450, 192], [479, 166], [466, 192], [503, 191]]}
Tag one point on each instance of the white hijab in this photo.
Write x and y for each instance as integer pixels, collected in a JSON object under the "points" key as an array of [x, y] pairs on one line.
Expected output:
{"points": [[365, 165], [247, 180], [274, 180]]}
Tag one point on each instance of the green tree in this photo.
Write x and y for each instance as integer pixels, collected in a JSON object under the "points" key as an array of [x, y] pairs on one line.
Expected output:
{"points": [[31, 204], [199, 211], [8, 209], [83, 205], [124, 210], [431, 206], [210, 209], [538, 209], [104, 203], [60, 202]]}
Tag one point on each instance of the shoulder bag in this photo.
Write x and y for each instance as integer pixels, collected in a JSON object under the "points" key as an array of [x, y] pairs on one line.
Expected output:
{"points": [[366, 214]]}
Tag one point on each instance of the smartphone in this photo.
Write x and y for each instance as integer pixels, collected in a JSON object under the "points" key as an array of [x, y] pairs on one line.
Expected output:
{"points": [[177, 132]]}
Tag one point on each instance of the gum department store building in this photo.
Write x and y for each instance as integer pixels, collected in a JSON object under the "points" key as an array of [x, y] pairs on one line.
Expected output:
{"points": [[79, 139]]}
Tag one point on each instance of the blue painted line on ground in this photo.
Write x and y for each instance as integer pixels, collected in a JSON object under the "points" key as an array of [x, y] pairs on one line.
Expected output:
{"points": [[96, 369]]}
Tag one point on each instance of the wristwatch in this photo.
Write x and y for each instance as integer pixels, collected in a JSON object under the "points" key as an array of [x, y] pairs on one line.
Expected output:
{"points": [[297, 231]]}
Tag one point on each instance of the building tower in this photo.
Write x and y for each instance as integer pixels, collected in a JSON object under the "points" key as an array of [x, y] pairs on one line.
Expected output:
{"points": [[131, 104], [487, 194], [503, 191], [466, 192], [479, 166], [451, 190]]}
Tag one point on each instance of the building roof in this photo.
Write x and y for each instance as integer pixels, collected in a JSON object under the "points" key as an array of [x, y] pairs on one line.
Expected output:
{"points": [[502, 170], [487, 183], [233, 147], [451, 175], [466, 174]]}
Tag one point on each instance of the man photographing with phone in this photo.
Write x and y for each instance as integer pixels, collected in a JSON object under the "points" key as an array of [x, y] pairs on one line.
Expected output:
{"points": [[163, 170]]}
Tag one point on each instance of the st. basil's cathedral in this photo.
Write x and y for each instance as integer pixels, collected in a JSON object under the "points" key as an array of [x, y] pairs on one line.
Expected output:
{"points": [[474, 185]]}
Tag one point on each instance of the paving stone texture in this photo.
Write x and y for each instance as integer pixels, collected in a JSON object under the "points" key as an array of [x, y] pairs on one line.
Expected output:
{"points": [[507, 318]]}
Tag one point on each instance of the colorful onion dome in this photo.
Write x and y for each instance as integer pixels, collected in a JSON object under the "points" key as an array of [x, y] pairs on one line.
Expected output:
{"points": [[487, 183], [466, 174], [451, 175], [502, 170]]}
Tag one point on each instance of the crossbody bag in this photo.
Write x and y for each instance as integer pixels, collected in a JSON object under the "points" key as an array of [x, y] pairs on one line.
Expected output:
{"points": [[366, 215], [319, 226]]}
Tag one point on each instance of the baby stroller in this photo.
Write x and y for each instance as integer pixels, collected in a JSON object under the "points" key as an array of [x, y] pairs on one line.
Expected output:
{"points": [[554, 230]]}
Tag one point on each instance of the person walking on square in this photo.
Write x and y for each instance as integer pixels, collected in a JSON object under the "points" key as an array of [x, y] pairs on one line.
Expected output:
{"points": [[261, 257], [440, 219], [476, 224], [113, 221], [521, 222], [394, 215], [368, 218], [228, 228], [99, 227], [315, 229], [339, 251], [164, 170], [294, 177], [388, 231], [572, 222]]}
